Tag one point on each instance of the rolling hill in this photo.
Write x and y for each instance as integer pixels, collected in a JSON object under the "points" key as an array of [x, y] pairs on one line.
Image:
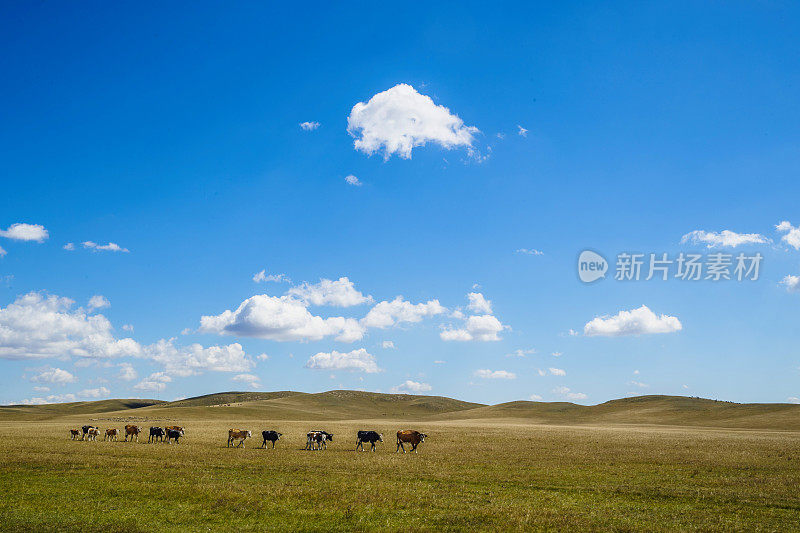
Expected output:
{"points": [[357, 405]]}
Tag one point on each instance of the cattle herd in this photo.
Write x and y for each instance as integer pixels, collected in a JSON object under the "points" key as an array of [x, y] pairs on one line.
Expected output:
{"points": [[315, 440]]}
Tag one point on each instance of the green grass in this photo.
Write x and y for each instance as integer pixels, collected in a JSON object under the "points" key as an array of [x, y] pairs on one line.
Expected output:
{"points": [[472, 474]]}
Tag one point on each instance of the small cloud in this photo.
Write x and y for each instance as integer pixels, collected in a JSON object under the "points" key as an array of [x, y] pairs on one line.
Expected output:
{"points": [[568, 394], [573, 333], [110, 247], [127, 327], [557, 354], [635, 372], [412, 386], [529, 251], [25, 232], [186, 331], [352, 180], [557, 371], [522, 132], [479, 304], [521, 353], [260, 277], [41, 388], [723, 239], [639, 384], [387, 345], [100, 392], [69, 246], [792, 283], [98, 302], [439, 362], [54, 375], [685, 386], [355, 361], [2, 252], [250, 379], [640, 321], [793, 399], [309, 126], [127, 372], [792, 237], [262, 357], [535, 397], [485, 373], [500, 135], [541, 372]]}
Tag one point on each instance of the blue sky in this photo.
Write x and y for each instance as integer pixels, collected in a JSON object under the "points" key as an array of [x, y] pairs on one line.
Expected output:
{"points": [[176, 135]]}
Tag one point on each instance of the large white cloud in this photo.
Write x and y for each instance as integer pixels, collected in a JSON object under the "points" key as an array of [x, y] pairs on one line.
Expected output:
{"points": [[399, 311], [54, 375], [194, 358], [641, 321], [355, 361], [341, 293], [476, 328], [792, 237], [40, 326], [25, 232], [412, 386], [400, 118], [723, 239], [281, 319]]}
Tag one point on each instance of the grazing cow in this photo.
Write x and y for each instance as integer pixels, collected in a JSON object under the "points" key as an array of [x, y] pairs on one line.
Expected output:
{"points": [[92, 434], [156, 433], [241, 434], [368, 436], [132, 431], [74, 434], [409, 436], [174, 434], [318, 440], [271, 436], [85, 430], [176, 428], [111, 434]]}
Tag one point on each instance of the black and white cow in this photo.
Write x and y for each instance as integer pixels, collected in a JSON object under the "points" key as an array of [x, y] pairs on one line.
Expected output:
{"points": [[271, 436], [156, 434], [174, 434], [368, 436], [318, 440]]}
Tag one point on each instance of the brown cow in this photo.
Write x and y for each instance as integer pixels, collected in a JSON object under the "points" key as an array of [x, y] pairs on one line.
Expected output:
{"points": [[241, 434], [92, 434], [111, 434], [410, 436], [75, 434], [132, 431], [173, 428]]}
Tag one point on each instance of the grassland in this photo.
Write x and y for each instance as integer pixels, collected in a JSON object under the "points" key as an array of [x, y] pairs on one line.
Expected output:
{"points": [[482, 468]]}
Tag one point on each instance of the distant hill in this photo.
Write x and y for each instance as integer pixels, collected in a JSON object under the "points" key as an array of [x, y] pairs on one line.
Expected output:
{"points": [[357, 405]]}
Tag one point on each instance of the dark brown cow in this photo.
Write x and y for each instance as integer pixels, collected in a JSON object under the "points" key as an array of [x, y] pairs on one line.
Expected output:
{"points": [[111, 434], [241, 434], [411, 437], [132, 431], [74, 434]]}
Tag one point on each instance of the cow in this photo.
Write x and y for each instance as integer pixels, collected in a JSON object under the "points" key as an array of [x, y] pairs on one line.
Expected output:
{"points": [[176, 428], [409, 436], [85, 430], [74, 434], [368, 436], [318, 440], [241, 434], [156, 433], [132, 431], [92, 434], [174, 434], [271, 436], [111, 434]]}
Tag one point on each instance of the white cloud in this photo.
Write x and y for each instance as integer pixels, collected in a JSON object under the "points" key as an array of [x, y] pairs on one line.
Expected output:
{"points": [[98, 302], [485, 373], [535, 397], [724, 238], [281, 319], [251, 379], [641, 321], [635, 372], [100, 392], [557, 354], [521, 353], [69, 246], [477, 328], [479, 304], [110, 247], [522, 131], [568, 394], [573, 333], [439, 362], [400, 119], [54, 375], [639, 384], [154, 382], [309, 126], [41, 388], [387, 345], [127, 327], [412, 386], [53, 398], [25, 232], [792, 237], [792, 283], [194, 358], [793, 399], [262, 357], [262, 276], [399, 311], [356, 361], [127, 372], [529, 251], [40, 326], [339, 293], [557, 371], [2, 252], [541, 372], [352, 180]]}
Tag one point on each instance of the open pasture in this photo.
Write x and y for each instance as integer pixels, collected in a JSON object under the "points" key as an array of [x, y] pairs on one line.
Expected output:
{"points": [[468, 475]]}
